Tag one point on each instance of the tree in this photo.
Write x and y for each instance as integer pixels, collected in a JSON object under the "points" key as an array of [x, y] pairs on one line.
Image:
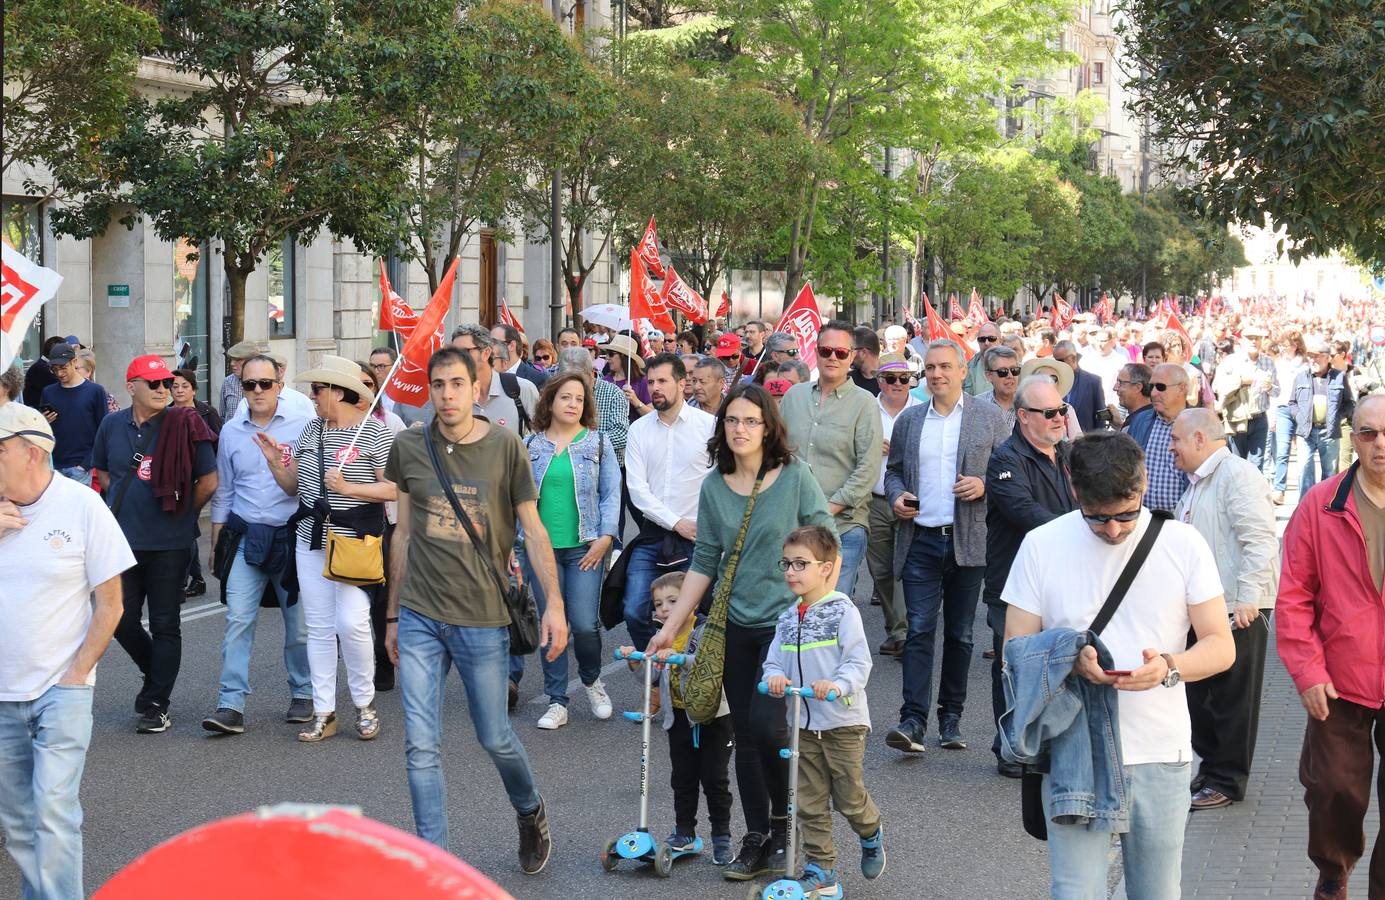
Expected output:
{"points": [[980, 231], [69, 72], [276, 140], [1277, 109]]}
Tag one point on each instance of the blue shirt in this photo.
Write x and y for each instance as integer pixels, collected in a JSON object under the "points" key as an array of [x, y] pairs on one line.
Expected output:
{"points": [[245, 486], [80, 410], [141, 516]]}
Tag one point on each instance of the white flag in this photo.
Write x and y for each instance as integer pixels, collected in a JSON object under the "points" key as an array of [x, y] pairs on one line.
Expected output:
{"points": [[24, 287]]}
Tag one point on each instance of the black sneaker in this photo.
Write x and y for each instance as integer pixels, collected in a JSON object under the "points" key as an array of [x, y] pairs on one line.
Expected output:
{"points": [[950, 733], [778, 842], [153, 721], [906, 736], [752, 861], [535, 845], [681, 843], [196, 588], [225, 721], [300, 710], [514, 697]]}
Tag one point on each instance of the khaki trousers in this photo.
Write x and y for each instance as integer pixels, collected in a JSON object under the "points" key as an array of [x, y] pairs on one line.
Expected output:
{"points": [[880, 561], [830, 766]]}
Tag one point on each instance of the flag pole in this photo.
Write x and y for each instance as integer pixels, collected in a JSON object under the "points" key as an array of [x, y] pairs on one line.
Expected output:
{"points": [[380, 392]]}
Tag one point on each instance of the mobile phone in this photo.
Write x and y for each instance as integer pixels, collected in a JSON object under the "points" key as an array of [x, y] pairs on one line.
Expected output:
{"points": [[46, 408], [1117, 673], [910, 502]]}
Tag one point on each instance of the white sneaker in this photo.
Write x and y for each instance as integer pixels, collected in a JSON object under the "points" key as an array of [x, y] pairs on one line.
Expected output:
{"points": [[554, 718], [600, 700]]}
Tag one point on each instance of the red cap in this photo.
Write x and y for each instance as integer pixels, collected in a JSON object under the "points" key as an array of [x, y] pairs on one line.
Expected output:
{"points": [[150, 368], [589, 342], [728, 344]]}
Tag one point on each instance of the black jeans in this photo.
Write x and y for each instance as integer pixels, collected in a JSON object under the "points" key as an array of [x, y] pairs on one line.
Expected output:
{"points": [[707, 764], [761, 729], [159, 576], [1225, 712], [995, 619], [379, 606]]}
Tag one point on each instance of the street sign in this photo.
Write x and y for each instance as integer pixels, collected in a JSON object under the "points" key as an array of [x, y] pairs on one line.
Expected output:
{"points": [[118, 296]]}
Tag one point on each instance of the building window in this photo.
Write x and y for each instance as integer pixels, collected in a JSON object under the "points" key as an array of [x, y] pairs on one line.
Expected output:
{"points": [[23, 230], [1098, 73], [192, 301], [283, 288]]}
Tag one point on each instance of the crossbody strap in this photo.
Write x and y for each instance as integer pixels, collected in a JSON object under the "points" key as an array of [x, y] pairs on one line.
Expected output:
{"points": [[135, 459], [1132, 568], [501, 582]]}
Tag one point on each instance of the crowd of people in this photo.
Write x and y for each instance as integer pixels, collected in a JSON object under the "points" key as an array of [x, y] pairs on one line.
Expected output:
{"points": [[1106, 490]]}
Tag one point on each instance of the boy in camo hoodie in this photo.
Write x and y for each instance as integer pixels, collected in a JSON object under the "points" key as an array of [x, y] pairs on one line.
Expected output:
{"points": [[820, 642]]}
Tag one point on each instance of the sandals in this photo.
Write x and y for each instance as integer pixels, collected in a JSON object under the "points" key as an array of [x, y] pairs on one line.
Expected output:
{"points": [[319, 728], [367, 722]]}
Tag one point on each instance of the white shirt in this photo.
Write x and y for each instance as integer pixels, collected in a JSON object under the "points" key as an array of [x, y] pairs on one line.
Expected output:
{"points": [[293, 402], [938, 466], [1107, 368], [1184, 511], [49, 569], [665, 464], [1063, 574], [887, 426]]}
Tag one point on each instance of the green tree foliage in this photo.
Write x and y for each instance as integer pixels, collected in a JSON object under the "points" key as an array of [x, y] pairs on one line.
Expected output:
{"points": [[1279, 108]]}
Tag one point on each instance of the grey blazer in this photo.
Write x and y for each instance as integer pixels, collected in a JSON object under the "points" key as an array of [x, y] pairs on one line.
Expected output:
{"points": [[983, 430]]}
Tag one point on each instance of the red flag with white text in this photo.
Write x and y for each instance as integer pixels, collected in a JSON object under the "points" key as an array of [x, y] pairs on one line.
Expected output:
{"points": [[911, 321], [939, 330], [410, 382], [954, 309], [1103, 309], [648, 250], [508, 317], [680, 296], [645, 302], [976, 310], [802, 320], [1062, 314], [395, 312]]}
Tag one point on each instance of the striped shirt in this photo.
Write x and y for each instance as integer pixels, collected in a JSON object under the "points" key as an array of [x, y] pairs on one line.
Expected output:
{"points": [[370, 453]]}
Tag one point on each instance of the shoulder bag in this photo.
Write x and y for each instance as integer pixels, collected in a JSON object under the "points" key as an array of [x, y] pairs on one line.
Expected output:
{"points": [[358, 561], [135, 459], [1032, 782], [519, 601], [702, 684]]}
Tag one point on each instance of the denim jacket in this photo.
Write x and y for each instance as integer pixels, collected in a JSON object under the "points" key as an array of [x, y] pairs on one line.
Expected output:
{"points": [[596, 472], [1056, 719]]}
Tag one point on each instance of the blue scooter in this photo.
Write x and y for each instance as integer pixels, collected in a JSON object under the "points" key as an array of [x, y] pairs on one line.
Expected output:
{"points": [[639, 844], [787, 888]]}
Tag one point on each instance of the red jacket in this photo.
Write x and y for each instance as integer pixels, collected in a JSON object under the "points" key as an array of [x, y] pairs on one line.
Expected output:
{"points": [[1331, 616]]}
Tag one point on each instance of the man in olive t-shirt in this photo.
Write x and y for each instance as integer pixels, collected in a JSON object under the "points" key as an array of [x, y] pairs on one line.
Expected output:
{"points": [[445, 604]]}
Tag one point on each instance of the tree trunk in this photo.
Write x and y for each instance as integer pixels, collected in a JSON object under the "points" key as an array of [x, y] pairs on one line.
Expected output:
{"points": [[235, 280]]}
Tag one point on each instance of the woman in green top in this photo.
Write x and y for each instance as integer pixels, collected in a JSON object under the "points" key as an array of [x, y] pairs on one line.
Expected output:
{"points": [[751, 441], [578, 478]]}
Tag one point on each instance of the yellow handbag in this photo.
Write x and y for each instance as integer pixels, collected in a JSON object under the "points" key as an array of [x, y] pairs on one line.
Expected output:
{"points": [[358, 561]]}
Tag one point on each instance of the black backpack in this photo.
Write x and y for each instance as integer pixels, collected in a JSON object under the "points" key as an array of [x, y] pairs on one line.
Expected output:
{"points": [[509, 383]]}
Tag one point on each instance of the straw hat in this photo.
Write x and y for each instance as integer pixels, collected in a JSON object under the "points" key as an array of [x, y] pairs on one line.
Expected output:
{"points": [[339, 372], [1048, 364], [625, 346]]}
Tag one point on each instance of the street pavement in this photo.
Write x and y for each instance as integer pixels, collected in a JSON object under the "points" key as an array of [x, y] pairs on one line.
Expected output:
{"points": [[951, 824]]}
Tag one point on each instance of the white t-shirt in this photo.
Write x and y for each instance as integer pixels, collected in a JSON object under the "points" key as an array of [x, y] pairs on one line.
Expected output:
{"points": [[48, 569], [1063, 574]]}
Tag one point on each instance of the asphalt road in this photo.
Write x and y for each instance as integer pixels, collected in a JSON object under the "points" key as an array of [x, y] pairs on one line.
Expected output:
{"points": [[951, 823]]}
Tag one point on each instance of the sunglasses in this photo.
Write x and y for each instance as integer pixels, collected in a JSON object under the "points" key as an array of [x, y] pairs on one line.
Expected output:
{"points": [[986, 340], [1050, 412], [1161, 386], [839, 352], [317, 387], [155, 384], [896, 379], [797, 565], [1013, 372], [1128, 516], [542, 357], [1367, 435], [248, 385]]}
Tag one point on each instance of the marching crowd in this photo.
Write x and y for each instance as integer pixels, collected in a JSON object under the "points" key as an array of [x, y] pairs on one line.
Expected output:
{"points": [[1106, 490]]}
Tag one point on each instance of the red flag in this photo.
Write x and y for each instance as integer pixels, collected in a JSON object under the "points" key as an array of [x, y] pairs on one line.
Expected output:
{"points": [[645, 302], [939, 330], [976, 310], [1167, 320], [649, 250], [410, 382], [395, 313], [1063, 313], [954, 310], [802, 320], [725, 309], [508, 317], [911, 321], [1103, 309], [678, 295]]}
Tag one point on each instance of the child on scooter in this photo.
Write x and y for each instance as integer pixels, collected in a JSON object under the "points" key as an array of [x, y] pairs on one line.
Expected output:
{"points": [[698, 754], [820, 643]]}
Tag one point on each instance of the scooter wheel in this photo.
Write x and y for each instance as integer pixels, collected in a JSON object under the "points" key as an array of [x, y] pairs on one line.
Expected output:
{"points": [[756, 892], [663, 860], [608, 856]]}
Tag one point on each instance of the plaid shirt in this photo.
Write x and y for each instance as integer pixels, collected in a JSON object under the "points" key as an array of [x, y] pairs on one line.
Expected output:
{"points": [[230, 396], [1166, 483], [612, 415]]}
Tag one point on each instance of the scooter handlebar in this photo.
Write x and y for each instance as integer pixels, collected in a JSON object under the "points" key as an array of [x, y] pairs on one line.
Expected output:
{"points": [[763, 687], [674, 659]]}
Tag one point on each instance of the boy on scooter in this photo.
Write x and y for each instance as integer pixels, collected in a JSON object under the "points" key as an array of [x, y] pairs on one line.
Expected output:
{"points": [[698, 754], [820, 643]]}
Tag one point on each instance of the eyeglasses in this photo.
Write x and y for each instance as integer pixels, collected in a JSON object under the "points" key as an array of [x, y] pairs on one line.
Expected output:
{"points": [[734, 422], [838, 352], [1122, 381], [155, 384], [1129, 515], [1013, 372], [381, 367], [317, 387], [1049, 413], [896, 379], [1162, 386], [986, 340], [1367, 435], [798, 565], [248, 385]]}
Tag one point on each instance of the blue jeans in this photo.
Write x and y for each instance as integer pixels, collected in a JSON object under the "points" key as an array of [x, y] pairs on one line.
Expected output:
{"points": [[581, 601], [43, 749], [1283, 445], [245, 586], [853, 553], [640, 573], [77, 474], [1320, 443], [1250, 444], [1152, 850], [934, 584], [427, 649]]}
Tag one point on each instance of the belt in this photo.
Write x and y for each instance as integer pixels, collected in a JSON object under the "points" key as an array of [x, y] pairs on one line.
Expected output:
{"points": [[878, 496], [935, 530]]}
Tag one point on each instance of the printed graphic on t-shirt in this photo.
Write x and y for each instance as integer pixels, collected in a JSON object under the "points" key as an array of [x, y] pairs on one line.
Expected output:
{"points": [[146, 468], [443, 523], [347, 455], [285, 453]]}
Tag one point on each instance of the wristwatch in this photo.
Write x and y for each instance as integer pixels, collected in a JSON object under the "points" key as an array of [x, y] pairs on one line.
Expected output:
{"points": [[1173, 678]]}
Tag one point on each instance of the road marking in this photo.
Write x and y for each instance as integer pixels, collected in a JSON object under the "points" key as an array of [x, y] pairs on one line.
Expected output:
{"points": [[202, 611]]}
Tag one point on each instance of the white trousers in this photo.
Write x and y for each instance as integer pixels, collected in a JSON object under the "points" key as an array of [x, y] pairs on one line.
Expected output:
{"points": [[333, 611]]}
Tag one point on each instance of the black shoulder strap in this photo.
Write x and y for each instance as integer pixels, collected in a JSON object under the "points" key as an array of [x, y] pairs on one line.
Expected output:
{"points": [[135, 459], [1132, 568], [502, 582], [509, 383]]}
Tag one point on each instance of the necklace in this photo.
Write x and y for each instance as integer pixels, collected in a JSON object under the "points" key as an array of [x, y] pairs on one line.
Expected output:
{"points": [[462, 438]]}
